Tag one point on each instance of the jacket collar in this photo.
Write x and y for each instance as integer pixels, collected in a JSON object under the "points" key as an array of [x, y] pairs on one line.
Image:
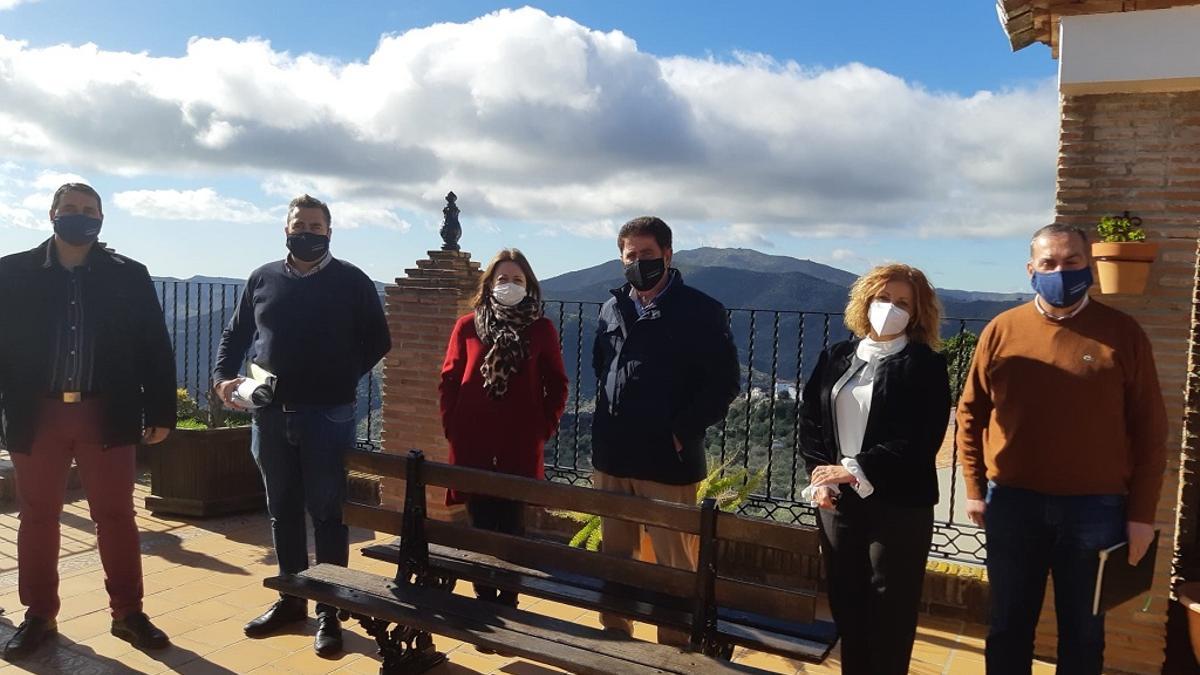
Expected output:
{"points": [[47, 257], [664, 299]]}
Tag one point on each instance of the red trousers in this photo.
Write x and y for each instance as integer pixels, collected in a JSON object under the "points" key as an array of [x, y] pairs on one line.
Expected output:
{"points": [[69, 431]]}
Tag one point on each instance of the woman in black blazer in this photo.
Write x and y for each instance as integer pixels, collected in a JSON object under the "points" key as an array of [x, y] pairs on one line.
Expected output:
{"points": [[875, 412]]}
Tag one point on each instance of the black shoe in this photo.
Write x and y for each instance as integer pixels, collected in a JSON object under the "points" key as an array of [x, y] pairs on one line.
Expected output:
{"points": [[286, 610], [29, 636], [137, 630], [329, 635]]}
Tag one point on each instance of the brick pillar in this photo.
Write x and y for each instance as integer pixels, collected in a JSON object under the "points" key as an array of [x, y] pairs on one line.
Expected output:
{"points": [[1141, 153], [422, 308]]}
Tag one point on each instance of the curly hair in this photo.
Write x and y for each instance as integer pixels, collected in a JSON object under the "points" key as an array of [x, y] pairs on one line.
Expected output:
{"points": [[925, 324]]}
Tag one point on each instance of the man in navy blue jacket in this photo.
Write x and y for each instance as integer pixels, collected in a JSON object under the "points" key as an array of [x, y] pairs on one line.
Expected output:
{"points": [[316, 323], [668, 370]]}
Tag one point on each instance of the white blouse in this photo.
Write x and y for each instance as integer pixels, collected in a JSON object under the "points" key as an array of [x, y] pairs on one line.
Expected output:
{"points": [[852, 393], [852, 404]]}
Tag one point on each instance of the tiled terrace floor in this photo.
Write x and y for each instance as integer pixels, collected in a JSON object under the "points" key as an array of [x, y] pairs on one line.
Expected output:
{"points": [[204, 580]]}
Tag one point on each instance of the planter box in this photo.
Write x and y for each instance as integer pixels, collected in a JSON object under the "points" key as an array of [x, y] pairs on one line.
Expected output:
{"points": [[1124, 267], [205, 472]]}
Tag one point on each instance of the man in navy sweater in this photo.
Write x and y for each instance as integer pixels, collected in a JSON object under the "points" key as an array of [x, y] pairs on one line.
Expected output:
{"points": [[317, 324]]}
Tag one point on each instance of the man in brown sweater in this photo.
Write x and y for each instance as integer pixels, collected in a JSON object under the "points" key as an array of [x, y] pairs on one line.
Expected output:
{"points": [[1062, 439]]}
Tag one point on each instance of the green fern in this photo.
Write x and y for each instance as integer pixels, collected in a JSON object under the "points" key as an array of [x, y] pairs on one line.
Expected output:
{"points": [[731, 490]]}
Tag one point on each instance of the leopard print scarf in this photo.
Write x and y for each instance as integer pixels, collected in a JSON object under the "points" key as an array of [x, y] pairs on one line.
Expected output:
{"points": [[502, 331]]}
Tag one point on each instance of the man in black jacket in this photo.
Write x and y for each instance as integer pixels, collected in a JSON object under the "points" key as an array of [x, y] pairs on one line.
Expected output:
{"points": [[86, 373], [668, 370], [317, 324]]}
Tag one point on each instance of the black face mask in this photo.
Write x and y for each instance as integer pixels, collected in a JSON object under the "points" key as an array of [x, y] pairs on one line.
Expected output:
{"points": [[645, 274], [308, 246], [77, 229]]}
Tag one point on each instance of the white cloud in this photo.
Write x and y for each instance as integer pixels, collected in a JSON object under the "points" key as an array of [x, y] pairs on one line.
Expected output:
{"points": [[52, 180], [9, 4], [840, 254], [536, 118], [192, 205], [29, 211], [361, 214]]}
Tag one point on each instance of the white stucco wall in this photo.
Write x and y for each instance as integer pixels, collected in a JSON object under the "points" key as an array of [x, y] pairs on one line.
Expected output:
{"points": [[1141, 51]]}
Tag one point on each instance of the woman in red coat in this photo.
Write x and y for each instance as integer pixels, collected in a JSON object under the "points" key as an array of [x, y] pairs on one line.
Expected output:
{"points": [[503, 390]]}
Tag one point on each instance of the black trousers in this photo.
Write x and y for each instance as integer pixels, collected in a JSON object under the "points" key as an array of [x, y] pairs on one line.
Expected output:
{"points": [[497, 515], [874, 554]]}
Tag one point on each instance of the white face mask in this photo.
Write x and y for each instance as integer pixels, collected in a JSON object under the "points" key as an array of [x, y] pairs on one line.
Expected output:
{"points": [[508, 294], [887, 319]]}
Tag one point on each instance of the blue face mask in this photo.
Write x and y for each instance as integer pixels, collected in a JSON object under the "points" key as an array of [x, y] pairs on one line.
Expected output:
{"points": [[1063, 288], [77, 229]]}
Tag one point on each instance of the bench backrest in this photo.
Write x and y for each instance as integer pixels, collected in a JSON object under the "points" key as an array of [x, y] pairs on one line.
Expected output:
{"points": [[712, 525]]}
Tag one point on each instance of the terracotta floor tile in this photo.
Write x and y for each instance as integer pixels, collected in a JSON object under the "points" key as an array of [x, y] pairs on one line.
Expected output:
{"points": [[527, 668], [181, 650], [771, 662], [105, 645], [306, 661], [84, 603], [145, 662], [966, 666], [932, 655], [255, 599], [243, 656], [87, 625], [187, 595], [221, 634], [560, 611], [471, 660]]}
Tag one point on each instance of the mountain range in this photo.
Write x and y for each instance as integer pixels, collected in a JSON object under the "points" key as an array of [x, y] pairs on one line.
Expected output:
{"points": [[747, 279]]}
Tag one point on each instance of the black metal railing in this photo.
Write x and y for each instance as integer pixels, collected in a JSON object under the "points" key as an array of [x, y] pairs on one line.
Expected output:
{"points": [[759, 435]]}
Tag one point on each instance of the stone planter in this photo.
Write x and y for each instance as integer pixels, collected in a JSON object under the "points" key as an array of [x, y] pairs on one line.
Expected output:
{"points": [[205, 472], [1124, 267]]}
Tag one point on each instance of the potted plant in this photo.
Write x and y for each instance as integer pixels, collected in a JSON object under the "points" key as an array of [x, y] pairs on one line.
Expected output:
{"points": [[205, 468], [1123, 256]]}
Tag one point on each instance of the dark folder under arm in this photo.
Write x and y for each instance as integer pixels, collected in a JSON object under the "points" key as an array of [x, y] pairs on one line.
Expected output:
{"points": [[1117, 581]]}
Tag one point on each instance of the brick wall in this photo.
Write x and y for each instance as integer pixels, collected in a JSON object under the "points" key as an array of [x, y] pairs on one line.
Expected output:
{"points": [[1141, 153], [421, 310]]}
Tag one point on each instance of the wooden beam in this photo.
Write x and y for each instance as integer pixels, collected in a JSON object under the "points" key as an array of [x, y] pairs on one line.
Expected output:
{"points": [[560, 643], [789, 604], [678, 517]]}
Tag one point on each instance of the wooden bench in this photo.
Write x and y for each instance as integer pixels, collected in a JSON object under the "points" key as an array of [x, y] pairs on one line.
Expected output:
{"points": [[716, 611]]}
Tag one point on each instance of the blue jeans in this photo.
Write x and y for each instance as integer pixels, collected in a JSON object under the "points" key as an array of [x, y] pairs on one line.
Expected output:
{"points": [[301, 454], [1030, 534]]}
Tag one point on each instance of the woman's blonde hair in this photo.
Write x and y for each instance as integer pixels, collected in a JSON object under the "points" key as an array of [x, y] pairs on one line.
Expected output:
{"points": [[925, 324], [483, 290]]}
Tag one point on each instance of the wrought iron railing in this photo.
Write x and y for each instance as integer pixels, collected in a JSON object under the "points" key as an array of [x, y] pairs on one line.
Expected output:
{"points": [[760, 433]]}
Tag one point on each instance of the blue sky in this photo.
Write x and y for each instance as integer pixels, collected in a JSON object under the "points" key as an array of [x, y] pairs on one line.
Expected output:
{"points": [[849, 133]]}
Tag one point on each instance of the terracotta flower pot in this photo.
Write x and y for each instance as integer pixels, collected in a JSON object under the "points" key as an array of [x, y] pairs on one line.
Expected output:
{"points": [[1124, 267], [1189, 597]]}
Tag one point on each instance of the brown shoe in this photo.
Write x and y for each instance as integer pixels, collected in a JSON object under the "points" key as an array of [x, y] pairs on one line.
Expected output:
{"points": [[32, 632]]}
